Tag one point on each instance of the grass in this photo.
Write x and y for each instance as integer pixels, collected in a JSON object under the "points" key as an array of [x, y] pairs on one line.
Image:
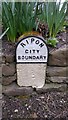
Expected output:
{"points": [[54, 15], [20, 17]]}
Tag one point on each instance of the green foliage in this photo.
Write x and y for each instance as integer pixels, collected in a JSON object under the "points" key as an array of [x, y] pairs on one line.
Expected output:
{"points": [[54, 15], [66, 21], [20, 17], [52, 42]]}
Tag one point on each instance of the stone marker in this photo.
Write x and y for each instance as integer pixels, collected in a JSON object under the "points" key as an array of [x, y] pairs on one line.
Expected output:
{"points": [[31, 58]]}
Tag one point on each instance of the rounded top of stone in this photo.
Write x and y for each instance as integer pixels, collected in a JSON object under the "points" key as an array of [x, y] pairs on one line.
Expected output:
{"points": [[31, 49]]}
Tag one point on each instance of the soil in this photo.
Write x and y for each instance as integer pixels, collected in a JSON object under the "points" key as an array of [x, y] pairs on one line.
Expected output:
{"points": [[48, 106]]}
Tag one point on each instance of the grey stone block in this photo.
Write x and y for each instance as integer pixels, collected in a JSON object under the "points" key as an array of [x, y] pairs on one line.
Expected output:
{"points": [[52, 87], [10, 58], [57, 71], [57, 79], [59, 57], [8, 69], [8, 80], [14, 90]]}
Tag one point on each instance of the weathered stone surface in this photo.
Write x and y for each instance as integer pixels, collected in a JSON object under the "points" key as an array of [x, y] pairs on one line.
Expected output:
{"points": [[14, 90], [10, 58], [52, 87], [31, 75], [59, 57], [57, 79], [8, 80], [57, 71], [8, 69]]}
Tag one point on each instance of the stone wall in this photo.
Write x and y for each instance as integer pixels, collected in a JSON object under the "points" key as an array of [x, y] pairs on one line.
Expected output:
{"points": [[58, 65], [56, 73]]}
